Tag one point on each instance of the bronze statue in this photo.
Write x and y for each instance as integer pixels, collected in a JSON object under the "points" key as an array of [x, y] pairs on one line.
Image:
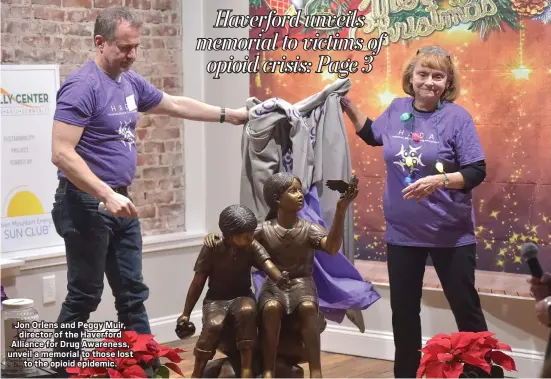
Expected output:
{"points": [[227, 266], [291, 243], [340, 185]]}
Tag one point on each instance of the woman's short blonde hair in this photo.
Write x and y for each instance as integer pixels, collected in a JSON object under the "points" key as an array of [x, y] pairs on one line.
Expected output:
{"points": [[438, 59]]}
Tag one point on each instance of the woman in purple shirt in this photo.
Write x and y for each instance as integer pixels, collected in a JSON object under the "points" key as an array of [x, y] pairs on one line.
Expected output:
{"points": [[434, 159]]}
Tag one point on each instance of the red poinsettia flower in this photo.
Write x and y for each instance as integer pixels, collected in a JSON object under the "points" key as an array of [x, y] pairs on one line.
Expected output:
{"points": [[131, 336], [115, 374], [495, 355], [130, 362], [134, 372], [88, 372], [138, 342], [145, 358], [167, 352], [152, 348], [126, 362], [444, 355]]}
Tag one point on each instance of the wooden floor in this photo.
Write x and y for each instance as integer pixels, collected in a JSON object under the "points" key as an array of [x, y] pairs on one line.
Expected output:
{"points": [[333, 365]]}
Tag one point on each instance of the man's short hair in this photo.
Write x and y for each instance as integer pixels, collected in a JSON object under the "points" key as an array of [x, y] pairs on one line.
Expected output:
{"points": [[109, 18], [237, 219]]}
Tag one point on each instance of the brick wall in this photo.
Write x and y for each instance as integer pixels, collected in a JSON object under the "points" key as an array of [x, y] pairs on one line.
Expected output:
{"points": [[60, 32]]}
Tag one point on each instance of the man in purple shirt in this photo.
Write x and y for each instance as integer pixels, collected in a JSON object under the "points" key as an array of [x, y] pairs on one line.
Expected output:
{"points": [[94, 147]]}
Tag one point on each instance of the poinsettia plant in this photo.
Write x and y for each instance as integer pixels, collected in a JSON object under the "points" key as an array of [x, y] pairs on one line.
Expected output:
{"points": [[136, 359], [444, 356]]}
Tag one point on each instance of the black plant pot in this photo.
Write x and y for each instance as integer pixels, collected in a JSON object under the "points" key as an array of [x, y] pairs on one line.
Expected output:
{"points": [[476, 372], [497, 372]]}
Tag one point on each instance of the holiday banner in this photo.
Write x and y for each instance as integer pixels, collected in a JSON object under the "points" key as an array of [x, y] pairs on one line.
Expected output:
{"points": [[29, 179], [502, 49]]}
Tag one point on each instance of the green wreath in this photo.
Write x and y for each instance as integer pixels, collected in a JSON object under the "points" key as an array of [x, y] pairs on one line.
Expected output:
{"points": [[484, 26]]}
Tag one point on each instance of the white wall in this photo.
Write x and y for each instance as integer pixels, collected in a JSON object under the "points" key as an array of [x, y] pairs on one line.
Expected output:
{"points": [[223, 161], [213, 162]]}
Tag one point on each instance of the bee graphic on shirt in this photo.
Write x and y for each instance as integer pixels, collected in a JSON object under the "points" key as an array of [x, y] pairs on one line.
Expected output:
{"points": [[125, 133]]}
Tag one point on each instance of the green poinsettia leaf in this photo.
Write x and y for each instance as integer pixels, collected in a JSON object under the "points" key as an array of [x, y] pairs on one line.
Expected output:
{"points": [[162, 372], [256, 3]]}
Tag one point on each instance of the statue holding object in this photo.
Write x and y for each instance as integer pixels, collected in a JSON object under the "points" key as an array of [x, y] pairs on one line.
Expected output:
{"points": [[291, 243], [227, 266]]}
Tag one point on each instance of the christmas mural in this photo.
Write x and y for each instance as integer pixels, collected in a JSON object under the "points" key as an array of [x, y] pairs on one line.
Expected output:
{"points": [[502, 49]]}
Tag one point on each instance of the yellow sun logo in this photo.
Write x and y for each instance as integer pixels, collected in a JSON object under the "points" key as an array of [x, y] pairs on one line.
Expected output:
{"points": [[24, 203]]}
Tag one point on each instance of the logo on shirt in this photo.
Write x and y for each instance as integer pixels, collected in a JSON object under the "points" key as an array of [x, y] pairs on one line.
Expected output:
{"points": [[411, 155], [125, 133], [424, 137], [118, 110]]}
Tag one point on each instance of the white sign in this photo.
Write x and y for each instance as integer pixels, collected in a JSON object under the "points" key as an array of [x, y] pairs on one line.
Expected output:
{"points": [[29, 179]]}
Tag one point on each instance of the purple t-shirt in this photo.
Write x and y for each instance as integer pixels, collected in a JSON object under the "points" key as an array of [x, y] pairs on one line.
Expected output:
{"points": [[107, 109], [446, 217]]}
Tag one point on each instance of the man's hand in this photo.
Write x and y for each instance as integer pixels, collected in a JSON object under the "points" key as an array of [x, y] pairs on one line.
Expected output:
{"points": [[542, 311], [119, 205], [212, 240], [237, 116], [540, 289]]}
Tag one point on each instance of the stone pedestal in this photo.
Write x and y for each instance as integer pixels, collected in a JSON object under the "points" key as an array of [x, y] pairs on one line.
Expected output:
{"points": [[291, 352]]}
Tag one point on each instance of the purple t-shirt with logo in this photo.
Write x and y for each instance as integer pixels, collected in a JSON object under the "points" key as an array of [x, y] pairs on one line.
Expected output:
{"points": [[107, 109], [446, 217]]}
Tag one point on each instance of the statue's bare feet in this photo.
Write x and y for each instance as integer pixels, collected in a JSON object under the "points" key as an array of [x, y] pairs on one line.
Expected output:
{"points": [[268, 374]]}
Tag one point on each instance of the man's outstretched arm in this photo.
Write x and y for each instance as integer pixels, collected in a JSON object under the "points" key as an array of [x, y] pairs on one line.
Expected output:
{"points": [[190, 109]]}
